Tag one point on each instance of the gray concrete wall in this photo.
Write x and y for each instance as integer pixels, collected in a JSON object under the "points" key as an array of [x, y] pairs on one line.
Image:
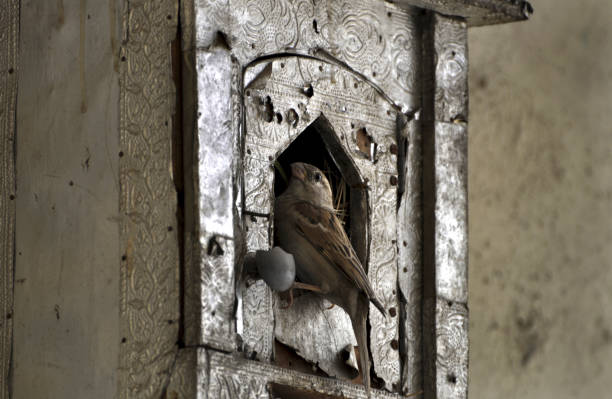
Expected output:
{"points": [[66, 334], [540, 193], [540, 199]]}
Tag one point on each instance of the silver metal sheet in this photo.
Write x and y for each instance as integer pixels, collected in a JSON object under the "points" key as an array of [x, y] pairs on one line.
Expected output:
{"points": [[376, 39], [451, 69], [215, 193], [257, 298], [318, 333], [451, 211], [379, 43], [215, 143], [229, 376], [347, 103], [216, 295], [258, 318], [452, 349], [445, 215], [382, 273], [211, 17], [374, 42], [258, 178]]}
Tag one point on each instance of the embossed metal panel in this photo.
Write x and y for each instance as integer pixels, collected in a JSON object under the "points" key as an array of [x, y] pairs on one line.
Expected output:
{"points": [[347, 103], [215, 193], [149, 297], [374, 38], [361, 59], [335, 66], [230, 376], [445, 208]]}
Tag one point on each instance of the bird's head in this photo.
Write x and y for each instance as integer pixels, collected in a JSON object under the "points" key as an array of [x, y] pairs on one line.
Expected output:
{"points": [[308, 183]]}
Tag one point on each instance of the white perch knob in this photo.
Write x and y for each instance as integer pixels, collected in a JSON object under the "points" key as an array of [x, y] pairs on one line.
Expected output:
{"points": [[277, 268]]}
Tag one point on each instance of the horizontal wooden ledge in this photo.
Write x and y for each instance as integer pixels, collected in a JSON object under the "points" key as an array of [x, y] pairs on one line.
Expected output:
{"points": [[476, 12], [230, 373]]}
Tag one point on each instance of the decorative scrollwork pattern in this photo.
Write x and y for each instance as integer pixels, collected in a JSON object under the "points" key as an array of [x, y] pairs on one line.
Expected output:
{"points": [[376, 39], [183, 380], [232, 386], [229, 377], [149, 266], [371, 49], [348, 103], [452, 349], [450, 47]]}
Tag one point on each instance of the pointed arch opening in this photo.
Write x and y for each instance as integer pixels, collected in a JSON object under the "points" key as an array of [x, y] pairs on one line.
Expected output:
{"points": [[320, 145], [305, 110]]}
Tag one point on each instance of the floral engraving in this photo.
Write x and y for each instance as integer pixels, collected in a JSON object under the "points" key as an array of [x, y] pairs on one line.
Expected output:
{"points": [[348, 103]]}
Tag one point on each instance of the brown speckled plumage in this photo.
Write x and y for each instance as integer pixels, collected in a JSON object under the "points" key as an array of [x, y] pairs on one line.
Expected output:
{"points": [[308, 228]]}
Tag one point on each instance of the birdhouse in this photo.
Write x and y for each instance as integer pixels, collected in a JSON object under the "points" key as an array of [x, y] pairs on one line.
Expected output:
{"points": [[166, 198], [374, 94]]}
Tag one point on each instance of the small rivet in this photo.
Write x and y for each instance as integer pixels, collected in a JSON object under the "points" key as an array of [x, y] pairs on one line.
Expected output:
{"points": [[308, 90]]}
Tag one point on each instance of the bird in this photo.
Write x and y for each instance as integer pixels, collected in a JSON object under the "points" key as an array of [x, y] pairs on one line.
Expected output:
{"points": [[307, 227]]}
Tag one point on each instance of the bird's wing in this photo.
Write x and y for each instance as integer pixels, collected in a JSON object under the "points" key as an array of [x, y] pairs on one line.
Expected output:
{"points": [[322, 229]]}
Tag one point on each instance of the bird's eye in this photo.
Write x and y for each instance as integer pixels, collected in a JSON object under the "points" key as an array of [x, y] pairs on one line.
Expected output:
{"points": [[317, 177]]}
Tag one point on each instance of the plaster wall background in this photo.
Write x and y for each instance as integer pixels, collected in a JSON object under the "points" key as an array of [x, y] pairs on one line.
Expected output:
{"points": [[540, 204], [66, 315], [540, 201]]}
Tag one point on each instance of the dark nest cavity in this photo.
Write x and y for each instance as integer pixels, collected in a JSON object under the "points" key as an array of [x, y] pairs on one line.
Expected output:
{"points": [[309, 148]]}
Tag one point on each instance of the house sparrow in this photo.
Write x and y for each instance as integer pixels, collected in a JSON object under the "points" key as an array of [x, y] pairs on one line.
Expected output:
{"points": [[308, 228]]}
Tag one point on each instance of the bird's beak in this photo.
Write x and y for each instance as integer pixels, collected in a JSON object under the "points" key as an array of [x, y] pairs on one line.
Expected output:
{"points": [[298, 171]]}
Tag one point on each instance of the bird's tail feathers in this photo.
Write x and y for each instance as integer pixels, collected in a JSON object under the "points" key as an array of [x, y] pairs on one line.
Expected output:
{"points": [[361, 334], [379, 306]]}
